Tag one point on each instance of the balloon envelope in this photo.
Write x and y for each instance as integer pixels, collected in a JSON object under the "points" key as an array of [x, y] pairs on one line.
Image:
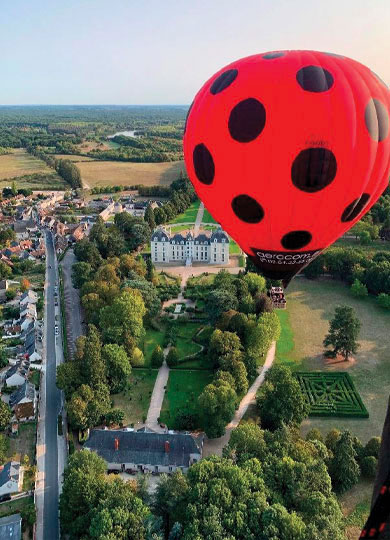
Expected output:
{"points": [[287, 150]]}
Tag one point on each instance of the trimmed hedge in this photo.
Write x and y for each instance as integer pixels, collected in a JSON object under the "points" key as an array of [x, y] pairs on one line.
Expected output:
{"points": [[331, 394]]}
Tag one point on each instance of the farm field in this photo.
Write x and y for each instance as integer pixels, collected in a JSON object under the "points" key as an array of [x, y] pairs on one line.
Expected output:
{"points": [[20, 163], [310, 306], [73, 158], [111, 173], [134, 401], [183, 390]]}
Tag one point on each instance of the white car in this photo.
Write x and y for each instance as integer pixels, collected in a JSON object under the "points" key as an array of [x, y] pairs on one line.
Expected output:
{"points": [[56, 330]]}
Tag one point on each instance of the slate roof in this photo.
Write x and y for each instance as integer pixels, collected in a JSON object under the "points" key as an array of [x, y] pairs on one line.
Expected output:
{"points": [[10, 472], [25, 390], [160, 234], [143, 448], [220, 235], [11, 527], [30, 295]]}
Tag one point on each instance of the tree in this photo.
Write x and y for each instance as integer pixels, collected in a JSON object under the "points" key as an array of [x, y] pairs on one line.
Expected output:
{"points": [[81, 273], [315, 269], [5, 415], [224, 345], [93, 367], [255, 282], [118, 366], [157, 357], [358, 289], [219, 301], [69, 377], [137, 359], [130, 265], [263, 304], [115, 417], [217, 406], [280, 399], [5, 271], [86, 251], [246, 442], [121, 322], [135, 230], [172, 358], [92, 304], [25, 285], [149, 217], [169, 498], [149, 295], [343, 468], [373, 447], [343, 332], [384, 300]]}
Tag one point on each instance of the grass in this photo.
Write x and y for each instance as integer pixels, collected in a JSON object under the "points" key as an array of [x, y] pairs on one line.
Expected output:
{"points": [[182, 392], [35, 377], [310, 306], [24, 443], [189, 216], [15, 507], [134, 401], [373, 247], [111, 173], [355, 505], [19, 163], [207, 217], [185, 346], [285, 347], [152, 339], [73, 158], [234, 248]]}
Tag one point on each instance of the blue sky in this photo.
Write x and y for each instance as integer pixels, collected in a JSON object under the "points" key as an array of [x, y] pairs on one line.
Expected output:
{"points": [[161, 51]]}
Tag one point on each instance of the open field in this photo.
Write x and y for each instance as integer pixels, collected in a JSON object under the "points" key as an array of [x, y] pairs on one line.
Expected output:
{"points": [[183, 390], [111, 173], [134, 401], [20, 163], [310, 306], [73, 158]]}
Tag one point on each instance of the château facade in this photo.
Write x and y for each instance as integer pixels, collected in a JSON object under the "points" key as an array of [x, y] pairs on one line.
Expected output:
{"points": [[209, 247]]}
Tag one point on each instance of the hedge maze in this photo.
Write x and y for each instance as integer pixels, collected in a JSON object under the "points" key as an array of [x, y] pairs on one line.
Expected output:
{"points": [[331, 394]]}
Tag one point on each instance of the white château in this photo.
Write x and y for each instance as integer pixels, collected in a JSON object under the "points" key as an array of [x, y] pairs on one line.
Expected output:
{"points": [[209, 247]]}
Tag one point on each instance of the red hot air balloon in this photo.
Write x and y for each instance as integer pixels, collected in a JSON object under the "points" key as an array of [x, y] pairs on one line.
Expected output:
{"points": [[288, 150]]}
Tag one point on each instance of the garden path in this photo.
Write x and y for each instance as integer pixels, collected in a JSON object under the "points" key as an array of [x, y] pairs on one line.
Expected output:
{"points": [[215, 446], [157, 398], [199, 217]]}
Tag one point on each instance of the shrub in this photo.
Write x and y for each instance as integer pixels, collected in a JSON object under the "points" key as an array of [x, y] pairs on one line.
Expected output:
{"points": [[372, 447], [157, 357], [314, 435], [172, 358], [358, 289], [384, 300], [368, 466]]}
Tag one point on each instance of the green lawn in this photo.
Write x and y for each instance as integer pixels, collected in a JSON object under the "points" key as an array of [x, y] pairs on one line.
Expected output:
{"points": [[183, 390], [285, 347], [185, 346], [373, 247], [207, 217], [189, 215], [152, 339], [355, 505], [310, 306], [135, 399], [234, 248]]}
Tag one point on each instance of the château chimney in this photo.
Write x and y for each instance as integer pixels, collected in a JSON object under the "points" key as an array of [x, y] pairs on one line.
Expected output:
{"points": [[166, 447], [116, 444]]}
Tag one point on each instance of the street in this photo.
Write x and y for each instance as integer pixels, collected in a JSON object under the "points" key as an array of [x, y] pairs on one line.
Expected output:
{"points": [[53, 405]]}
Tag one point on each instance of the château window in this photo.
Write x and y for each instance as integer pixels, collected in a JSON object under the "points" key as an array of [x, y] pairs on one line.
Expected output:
{"points": [[155, 239], [223, 240]]}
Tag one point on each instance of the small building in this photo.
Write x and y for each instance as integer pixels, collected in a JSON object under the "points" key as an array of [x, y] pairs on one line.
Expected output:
{"points": [[29, 297], [144, 451], [11, 527], [24, 394], [16, 375], [10, 478]]}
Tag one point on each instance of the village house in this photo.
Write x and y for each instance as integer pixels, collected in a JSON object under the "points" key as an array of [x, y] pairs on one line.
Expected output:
{"points": [[144, 451], [17, 375], [24, 394], [10, 478], [11, 527], [23, 228], [29, 297], [210, 247]]}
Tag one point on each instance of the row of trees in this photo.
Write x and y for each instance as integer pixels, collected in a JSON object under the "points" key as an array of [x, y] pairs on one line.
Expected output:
{"points": [[64, 167]]}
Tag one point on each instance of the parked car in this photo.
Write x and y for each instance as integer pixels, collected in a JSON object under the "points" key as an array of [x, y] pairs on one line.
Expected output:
{"points": [[56, 330], [56, 303], [6, 497]]}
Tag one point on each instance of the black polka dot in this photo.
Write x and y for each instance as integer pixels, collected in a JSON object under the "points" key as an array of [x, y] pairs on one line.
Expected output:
{"points": [[354, 209], [315, 79], [272, 55], [377, 120], [313, 169], [379, 79], [203, 164], [247, 209], [223, 81], [247, 120], [296, 239], [188, 114]]}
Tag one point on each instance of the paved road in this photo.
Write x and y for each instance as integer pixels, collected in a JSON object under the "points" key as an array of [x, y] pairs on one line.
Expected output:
{"points": [[74, 326], [53, 406]]}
